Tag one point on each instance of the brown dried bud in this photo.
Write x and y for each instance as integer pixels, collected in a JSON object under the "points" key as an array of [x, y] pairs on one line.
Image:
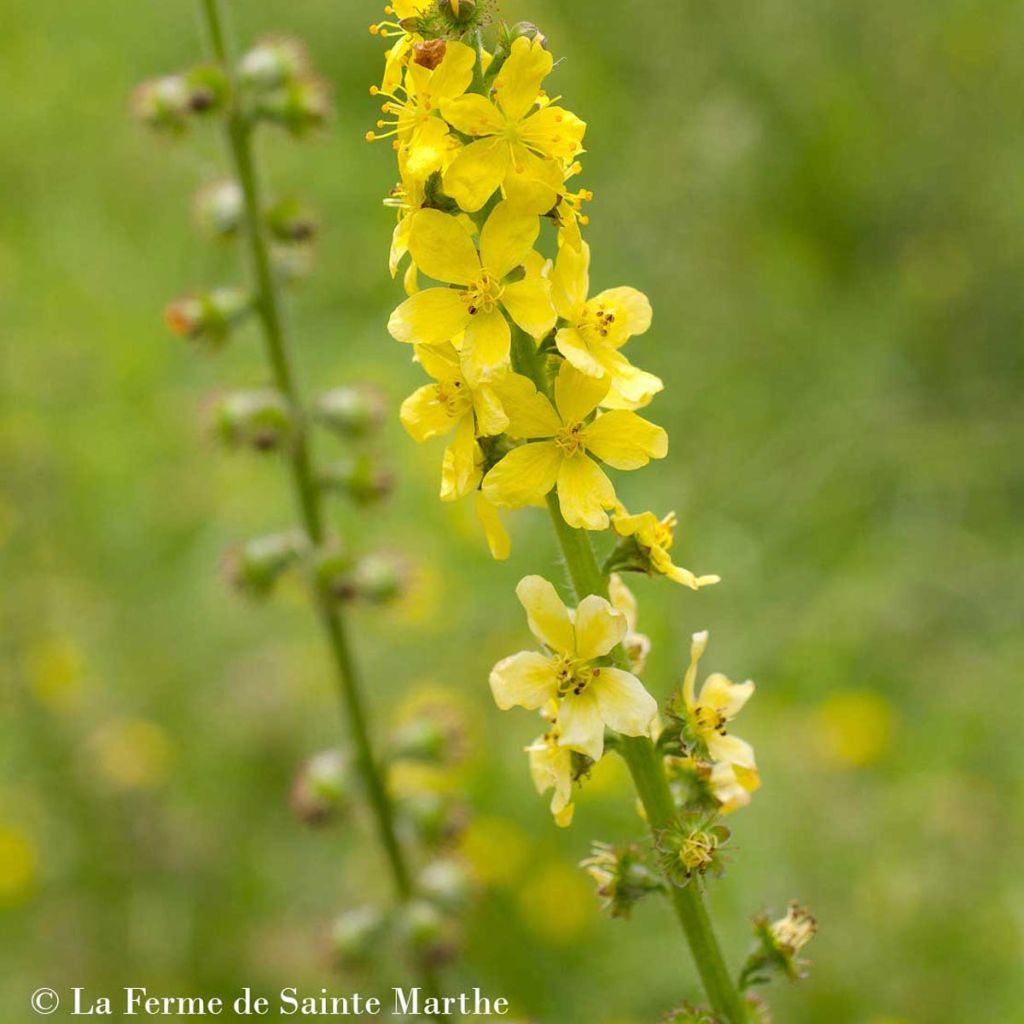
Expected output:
{"points": [[429, 54]]}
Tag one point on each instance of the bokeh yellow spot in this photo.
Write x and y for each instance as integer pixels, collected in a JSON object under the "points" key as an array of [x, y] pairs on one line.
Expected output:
{"points": [[54, 668], [557, 903], [609, 777], [854, 727], [421, 604], [17, 865], [131, 753], [496, 850]]}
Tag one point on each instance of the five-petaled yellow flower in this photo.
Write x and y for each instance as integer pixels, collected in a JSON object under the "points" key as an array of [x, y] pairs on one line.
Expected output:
{"points": [[595, 329], [708, 713], [590, 695], [453, 403], [655, 536], [442, 247], [563, 444], [524, 150]]}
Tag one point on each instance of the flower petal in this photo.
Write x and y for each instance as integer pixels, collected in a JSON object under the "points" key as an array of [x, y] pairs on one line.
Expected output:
{"points": [[577, 395], [473, 115], [523, 476], [732, 750], [460, 474], [631, 310], [476, 172], [570, 281], [440, 361], [548, 617], [517, 85], [529, 304], [632, 387], [525, 680], [599, 627], [491, 418], [530, 413], [498, 540], [724, 696], [452, 76], [624, 703], [584, 492], [486, 345], [423, 416], [582, 726], [430, 317], [625, 440], [571, 343], [554, 131], [507, 238], [442, 247], [532, 182]]}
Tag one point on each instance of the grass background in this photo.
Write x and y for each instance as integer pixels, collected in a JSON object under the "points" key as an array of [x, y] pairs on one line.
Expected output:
{"points": [[824, 202]]}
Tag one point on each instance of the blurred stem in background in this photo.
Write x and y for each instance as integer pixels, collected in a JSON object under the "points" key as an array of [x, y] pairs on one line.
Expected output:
{"points": [[268, 308]]}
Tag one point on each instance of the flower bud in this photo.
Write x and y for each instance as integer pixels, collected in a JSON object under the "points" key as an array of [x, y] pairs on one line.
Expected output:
{"points": [[430, 935], [272, 63], [622, 877], [253, 419], [333, 570], [355, 935], [292, 263], [359, 478], [429, 54], [255, 567], [352, 410], [219, 208], [435, 817], [379, 578], [692, 846], [446, 883], [322, 788], [163, 104], [292, 220], [777, 946], [298, 106], [208, 89], [208, 317], [688, 1014]]}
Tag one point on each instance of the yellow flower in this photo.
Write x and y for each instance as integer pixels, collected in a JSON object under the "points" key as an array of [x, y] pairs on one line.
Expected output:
{"points": [[452, 403], [590, 696], [18, 864], [442, 247], [412, 110], [561, 446], [654, 537], [718, 703], [551, 768], [498, 540], [521, 148], [595, 329]]}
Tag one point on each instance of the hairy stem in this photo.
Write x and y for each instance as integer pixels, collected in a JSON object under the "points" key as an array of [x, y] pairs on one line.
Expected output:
{"points": [[268, 308]]}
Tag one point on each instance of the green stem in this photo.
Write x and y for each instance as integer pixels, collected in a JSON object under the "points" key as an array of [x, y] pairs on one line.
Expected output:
{"points": [[638, 752], [268, 308]]}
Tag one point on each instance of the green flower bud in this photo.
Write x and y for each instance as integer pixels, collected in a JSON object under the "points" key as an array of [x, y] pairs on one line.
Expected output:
{"points": [[272, 63], [691, 847], [219, 208], [622, 877], [352, 410], [379, 578], [333, 571], [359, 478], [356, 934], [778, 945], [163, 104], [255, 567], [435, 818], [687, 1014], [292, 220], [292, 262], [298, 107], [208, 89], [253, 419], [322, 788], [208, 317]]}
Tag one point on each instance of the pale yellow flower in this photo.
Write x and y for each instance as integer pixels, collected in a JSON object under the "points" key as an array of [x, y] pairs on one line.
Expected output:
{"points": [[637, 645], [655, 537], [551, 768], [596, 328], [591, 696], [443, 248], [520, 148], [708, 713], [562, 448]]}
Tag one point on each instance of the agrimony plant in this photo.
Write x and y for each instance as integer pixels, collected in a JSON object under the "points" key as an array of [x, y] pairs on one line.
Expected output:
{"points": [[531, 388], [270, 86]]}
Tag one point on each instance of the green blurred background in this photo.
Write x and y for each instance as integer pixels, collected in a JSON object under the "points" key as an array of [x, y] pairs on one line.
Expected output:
{"points": [[825, 203]]}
